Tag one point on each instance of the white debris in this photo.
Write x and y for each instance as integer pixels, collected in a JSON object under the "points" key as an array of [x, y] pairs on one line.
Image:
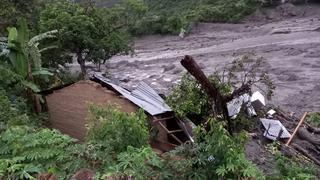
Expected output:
{"points": [[270, 113], [257, 100], [274, 129], [234, 106]]}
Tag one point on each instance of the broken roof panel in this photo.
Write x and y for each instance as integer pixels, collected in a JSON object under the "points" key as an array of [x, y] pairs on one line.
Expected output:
{"points": [[274, 128], [143, 96]]}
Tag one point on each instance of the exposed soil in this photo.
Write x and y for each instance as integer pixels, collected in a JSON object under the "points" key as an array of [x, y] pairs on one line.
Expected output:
{"points": [[287, 36]]}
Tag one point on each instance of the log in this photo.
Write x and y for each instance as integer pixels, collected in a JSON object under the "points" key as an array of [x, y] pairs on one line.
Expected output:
{"points": [[306, 153], [220, 105], [313, 129], [304, 134], [193, 68]]}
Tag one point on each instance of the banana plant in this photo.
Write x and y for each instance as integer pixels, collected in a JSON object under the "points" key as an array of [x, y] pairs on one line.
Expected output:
{"points": [[24, 55]]}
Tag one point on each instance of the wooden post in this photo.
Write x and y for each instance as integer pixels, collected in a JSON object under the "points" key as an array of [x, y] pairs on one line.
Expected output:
{"points": [[219, 102], [297, 128]]}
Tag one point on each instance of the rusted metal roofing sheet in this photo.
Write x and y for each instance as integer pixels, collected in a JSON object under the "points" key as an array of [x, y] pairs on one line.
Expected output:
{"points": [[143, 96]]}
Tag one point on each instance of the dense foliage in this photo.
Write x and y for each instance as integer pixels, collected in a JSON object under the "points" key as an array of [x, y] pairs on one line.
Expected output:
{"points": [[11, 11], [289, 169], [215, 155], [188, 97], [176, 16], [26, 152], [117, 143], [89, 33], [115, 130]]}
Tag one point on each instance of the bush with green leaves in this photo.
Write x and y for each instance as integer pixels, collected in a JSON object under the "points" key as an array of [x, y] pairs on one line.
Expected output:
{"points": [[189, 98], [140, 163], [292, 170], [25, 152], [115, 130], [314, 119], [215, 155]]}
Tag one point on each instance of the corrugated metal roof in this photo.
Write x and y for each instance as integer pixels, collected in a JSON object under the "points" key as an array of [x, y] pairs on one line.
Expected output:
{"points": [[143, 96]]}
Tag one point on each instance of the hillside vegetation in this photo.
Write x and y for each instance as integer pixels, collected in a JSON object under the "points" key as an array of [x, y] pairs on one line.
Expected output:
{"points": [[176, 16], [41, 37]]}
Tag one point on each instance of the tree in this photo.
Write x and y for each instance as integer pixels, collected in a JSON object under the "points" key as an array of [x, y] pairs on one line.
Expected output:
{"points": [[25, 57], [89, 33], [12, 10]]}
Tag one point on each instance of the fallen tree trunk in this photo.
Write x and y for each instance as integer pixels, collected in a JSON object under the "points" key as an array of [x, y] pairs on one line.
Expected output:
{"points": [[304, 134], [313, 129], [305, 153], [220, 104]]}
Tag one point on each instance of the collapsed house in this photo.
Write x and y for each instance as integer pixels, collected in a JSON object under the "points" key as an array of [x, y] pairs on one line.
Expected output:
{"points": [[68, 109]]}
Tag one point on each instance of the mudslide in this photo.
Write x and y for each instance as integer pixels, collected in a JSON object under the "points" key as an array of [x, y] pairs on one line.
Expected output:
{"points": [[291, 46]]}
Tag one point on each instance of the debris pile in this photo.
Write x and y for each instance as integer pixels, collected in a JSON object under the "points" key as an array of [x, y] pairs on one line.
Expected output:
{"points": [[296, 136]]}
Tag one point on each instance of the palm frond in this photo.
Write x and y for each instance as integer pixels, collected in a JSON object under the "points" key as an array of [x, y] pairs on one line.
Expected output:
{"points": [[48, 48], [46, 35]]}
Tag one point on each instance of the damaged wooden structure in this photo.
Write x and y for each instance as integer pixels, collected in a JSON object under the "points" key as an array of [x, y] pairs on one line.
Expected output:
{"points": [[68, 109]]}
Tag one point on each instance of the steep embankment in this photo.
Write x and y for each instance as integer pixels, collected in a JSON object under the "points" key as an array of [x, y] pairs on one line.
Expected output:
{"points": [[288, 37]]}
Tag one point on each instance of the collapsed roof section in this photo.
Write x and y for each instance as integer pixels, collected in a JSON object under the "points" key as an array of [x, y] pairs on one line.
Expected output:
{"points": [[143, 96]]}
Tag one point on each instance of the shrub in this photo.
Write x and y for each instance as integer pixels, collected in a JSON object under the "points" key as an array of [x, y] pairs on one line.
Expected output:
{"points": [[314, 119], [140, 163], [188, 97], [114, 130], [26, 152], [216, 155], [292, 170]]}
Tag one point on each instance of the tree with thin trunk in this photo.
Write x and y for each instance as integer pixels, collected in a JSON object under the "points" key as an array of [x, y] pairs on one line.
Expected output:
{"points": [[91, 34]]}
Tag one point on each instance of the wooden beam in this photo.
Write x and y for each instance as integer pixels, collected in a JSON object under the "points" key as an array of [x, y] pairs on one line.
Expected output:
{"points": [[172, 135], [297, 128]]}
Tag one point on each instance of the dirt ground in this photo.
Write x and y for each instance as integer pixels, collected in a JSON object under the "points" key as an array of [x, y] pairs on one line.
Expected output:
{"points": [[287, 36]]}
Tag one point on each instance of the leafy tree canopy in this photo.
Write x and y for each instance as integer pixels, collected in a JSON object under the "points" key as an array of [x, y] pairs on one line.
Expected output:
{"points": [[91, 34]]}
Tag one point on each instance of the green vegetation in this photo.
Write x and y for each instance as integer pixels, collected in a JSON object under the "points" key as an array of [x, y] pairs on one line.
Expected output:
{"points": [[216, 155], [289, 169], [115, 130], [52, 32], [314, 119], [91, 34], [26, 152], [175, 16]]}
